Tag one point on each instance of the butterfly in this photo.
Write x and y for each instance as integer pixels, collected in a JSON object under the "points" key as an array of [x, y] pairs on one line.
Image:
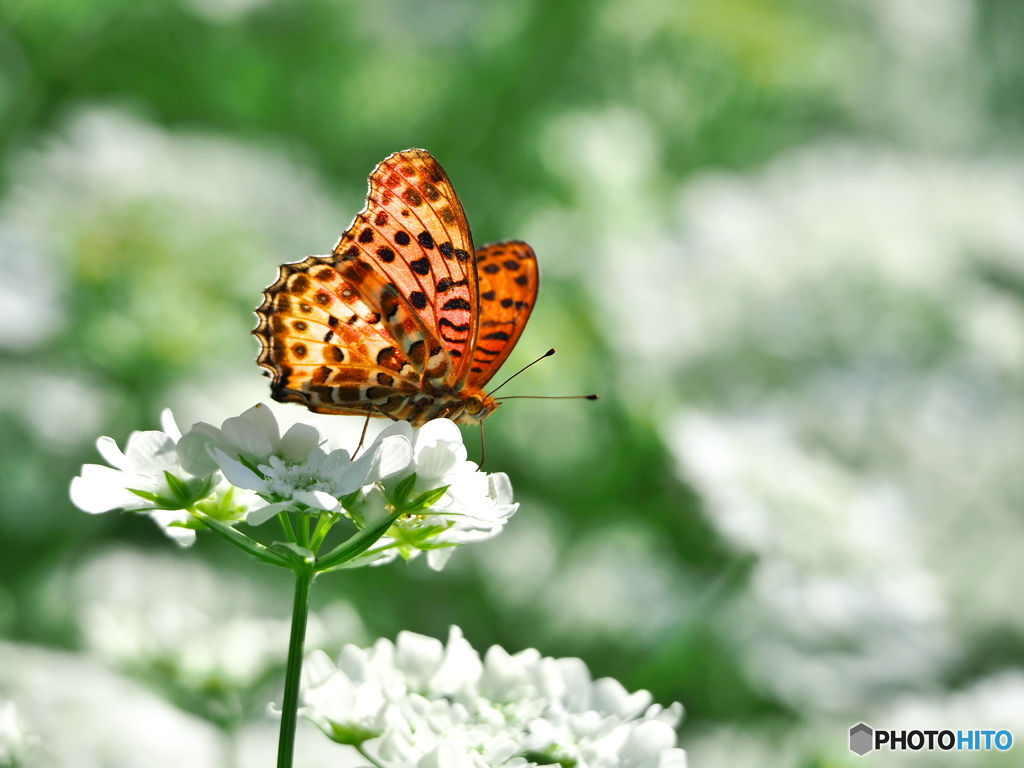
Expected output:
{"points": [[405, 319]]}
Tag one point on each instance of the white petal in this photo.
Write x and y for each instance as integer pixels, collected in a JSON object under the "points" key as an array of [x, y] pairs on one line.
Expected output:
{"points": [[193, 454], [501, 676], [609, 695], [500, 487], [169, 425], [263, 417], [316, 499], [403, 428], [646, 742], [385, 458], [395, 456], [461, 666], [419, 657], [111, 453], [355, 663], [260, 515], [672, 758], [152, 452], [434, 462], [183, 537], [316, 668], [438, 429], [209, 430], [445, 755], [334, 699], [101, 489], [251, 433], [298, 442], [671, 716], [438, 558], [236, 472]]}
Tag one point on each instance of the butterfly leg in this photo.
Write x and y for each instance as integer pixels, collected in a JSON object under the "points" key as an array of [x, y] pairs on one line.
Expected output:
{"points": [[362, 436]]}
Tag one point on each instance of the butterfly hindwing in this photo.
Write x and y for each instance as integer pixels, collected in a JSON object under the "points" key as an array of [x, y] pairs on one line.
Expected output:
{"points": [[326, 347], [509, 280]]}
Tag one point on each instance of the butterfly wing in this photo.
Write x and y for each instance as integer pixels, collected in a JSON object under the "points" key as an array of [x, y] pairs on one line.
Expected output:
{"points": [[509, 280], [410, 252], [328, 349], [392, 312]]}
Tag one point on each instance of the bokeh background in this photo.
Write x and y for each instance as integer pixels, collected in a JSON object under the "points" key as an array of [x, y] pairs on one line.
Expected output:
{"points": [[783, 239]]}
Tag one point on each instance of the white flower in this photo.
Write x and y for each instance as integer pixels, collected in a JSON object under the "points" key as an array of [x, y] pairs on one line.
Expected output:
{"points": [[291, 470], [254, 437], [144, 466], [421, 703], [475, 506], [15, 742]]}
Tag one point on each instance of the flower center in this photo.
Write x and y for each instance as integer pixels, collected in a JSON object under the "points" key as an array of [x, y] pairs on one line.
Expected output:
{"points": [[298, 477]]}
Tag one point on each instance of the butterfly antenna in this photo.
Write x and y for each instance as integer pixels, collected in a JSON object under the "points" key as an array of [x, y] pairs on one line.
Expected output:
{"points": [[548, 397], [549, 353]]}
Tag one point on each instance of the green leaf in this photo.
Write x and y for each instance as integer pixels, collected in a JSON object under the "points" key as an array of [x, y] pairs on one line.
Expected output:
{"points": [[355, 546], [403, 490], [298, 556], [243, 542], [245, 462], [351, 735], [179, 488], [428, 499], [349, 501], [155, 498]]}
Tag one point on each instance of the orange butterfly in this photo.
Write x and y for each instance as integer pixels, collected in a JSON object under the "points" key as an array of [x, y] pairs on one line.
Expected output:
{"points": [[405, 319]]}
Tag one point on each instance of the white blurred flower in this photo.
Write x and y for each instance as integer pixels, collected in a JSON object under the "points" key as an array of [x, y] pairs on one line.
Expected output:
{"points": [[475, 506], [840, 606], [421, 703], [289, 472], [146, 477], [84, 715], [209, 639], [15, 741]]}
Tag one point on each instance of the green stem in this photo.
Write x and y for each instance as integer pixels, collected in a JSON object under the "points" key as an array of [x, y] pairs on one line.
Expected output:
{"points": [[293, 673], [362, 751], [323, 526], [286, 526]]}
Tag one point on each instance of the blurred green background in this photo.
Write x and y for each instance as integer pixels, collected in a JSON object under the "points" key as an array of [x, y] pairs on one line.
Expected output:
{"points": [[783, 239]]}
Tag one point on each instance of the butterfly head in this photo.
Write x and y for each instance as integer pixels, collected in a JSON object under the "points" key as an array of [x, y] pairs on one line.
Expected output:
{"points": [[477, 408]]}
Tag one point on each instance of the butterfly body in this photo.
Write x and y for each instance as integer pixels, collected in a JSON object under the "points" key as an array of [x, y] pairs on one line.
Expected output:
{"points": [[405, 319]]}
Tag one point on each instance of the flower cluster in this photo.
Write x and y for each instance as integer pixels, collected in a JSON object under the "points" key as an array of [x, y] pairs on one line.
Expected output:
{"points": [[420, 703], [15, 742], [247, 470]]}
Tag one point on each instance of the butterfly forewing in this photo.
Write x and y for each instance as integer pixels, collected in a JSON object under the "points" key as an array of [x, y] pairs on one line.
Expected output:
{"points": [[509, 280], [414, 234], [394, 322]]}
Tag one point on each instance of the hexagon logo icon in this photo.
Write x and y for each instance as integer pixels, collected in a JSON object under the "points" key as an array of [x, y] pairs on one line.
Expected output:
{"points": [[862, 739]]}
